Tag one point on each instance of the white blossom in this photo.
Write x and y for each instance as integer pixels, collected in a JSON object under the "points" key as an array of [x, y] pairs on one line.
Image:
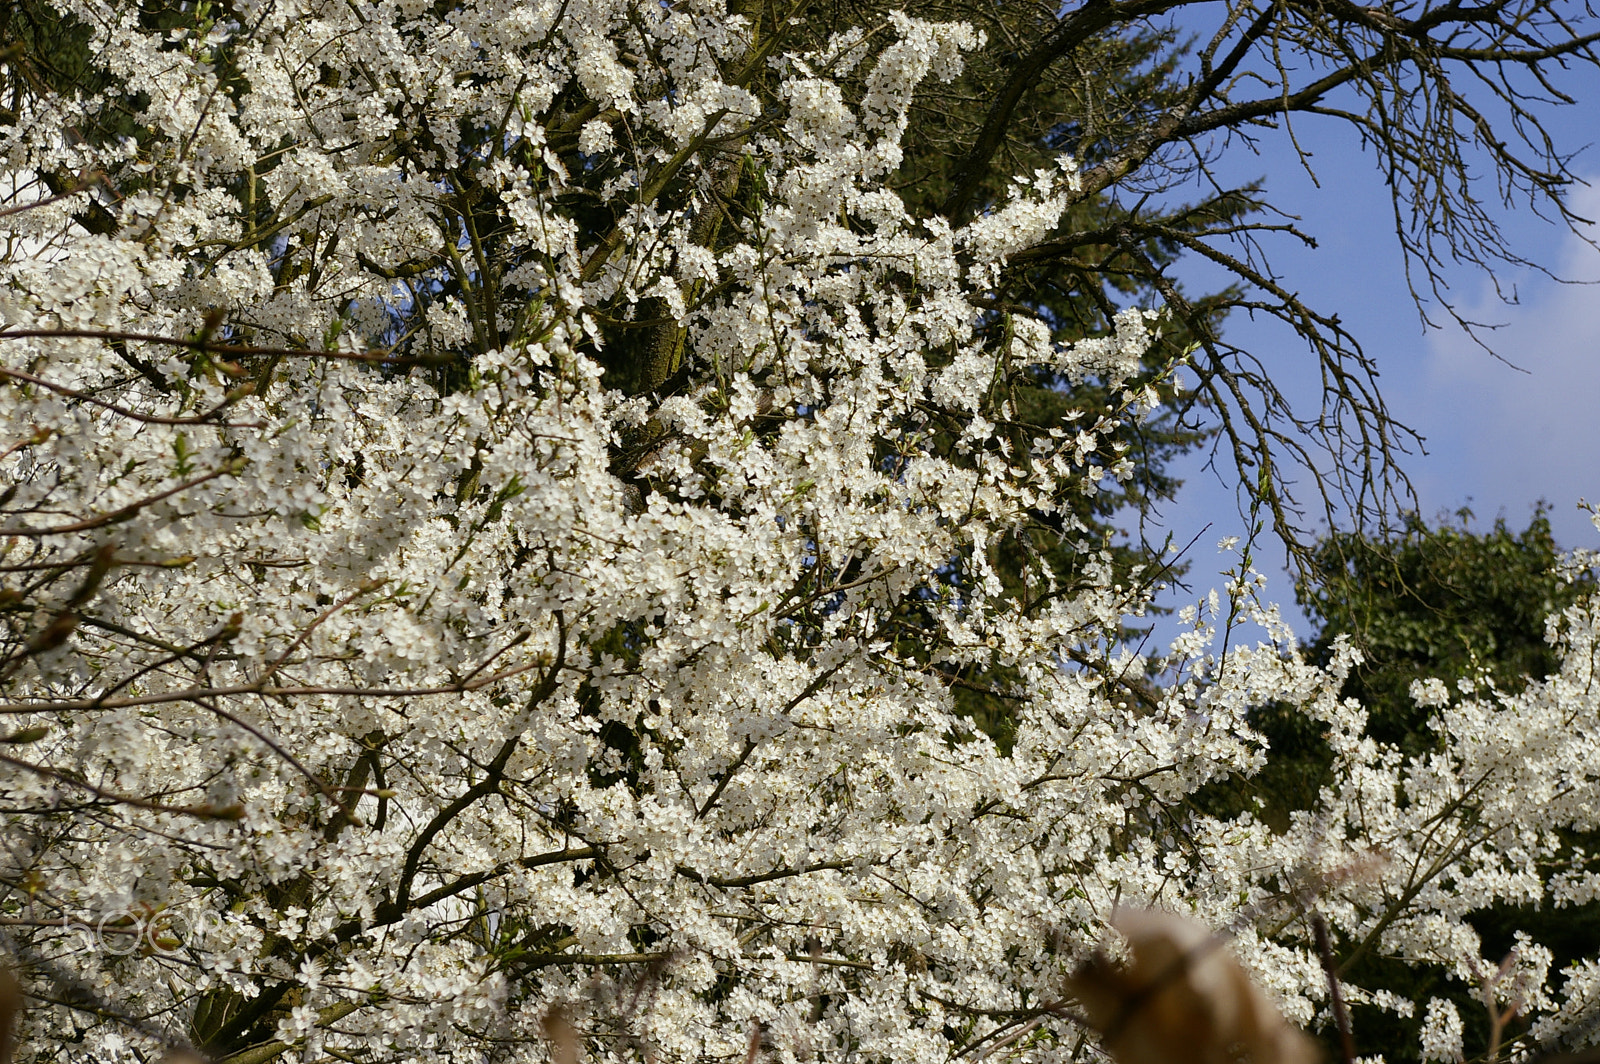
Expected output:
{"points": [[420, 679]]}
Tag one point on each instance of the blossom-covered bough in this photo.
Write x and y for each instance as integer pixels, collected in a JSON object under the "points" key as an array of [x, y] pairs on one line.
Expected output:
{"points": [[501, 500]]}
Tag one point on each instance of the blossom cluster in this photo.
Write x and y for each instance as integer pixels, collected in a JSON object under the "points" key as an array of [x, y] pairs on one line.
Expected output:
{"points": [[498, 506]]}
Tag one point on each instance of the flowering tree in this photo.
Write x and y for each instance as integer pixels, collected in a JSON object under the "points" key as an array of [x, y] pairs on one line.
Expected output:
{"points": [[501, 497]]}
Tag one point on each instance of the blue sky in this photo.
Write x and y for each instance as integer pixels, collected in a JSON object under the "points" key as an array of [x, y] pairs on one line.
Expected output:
{"points": [[1499, 438]]}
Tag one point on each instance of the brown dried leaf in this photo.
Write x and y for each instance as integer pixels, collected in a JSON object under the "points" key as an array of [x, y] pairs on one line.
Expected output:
{"points": [[10, 1013], [563, 1039], [1182, 999]]}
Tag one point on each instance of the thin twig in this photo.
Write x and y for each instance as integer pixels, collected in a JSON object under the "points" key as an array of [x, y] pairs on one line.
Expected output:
{"points": [[1330, 965]]}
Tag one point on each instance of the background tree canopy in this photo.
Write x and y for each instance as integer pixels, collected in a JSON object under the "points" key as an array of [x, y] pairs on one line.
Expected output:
{"points": [[1438, 602]]}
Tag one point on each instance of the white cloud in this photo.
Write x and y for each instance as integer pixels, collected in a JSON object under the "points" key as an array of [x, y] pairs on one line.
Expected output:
{"points": [[1507, 437]]}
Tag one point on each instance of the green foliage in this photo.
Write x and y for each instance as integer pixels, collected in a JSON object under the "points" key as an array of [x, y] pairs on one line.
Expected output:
{"points": [[1443, 602]]}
